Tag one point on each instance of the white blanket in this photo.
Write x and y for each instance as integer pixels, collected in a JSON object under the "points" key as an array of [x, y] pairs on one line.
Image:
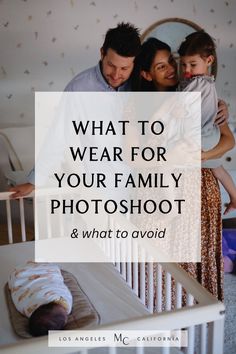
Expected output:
{"points": [[35, 284]]}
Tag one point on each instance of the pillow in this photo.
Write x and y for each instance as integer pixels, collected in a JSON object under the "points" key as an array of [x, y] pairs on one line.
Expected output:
{"points": [[83, 313]]}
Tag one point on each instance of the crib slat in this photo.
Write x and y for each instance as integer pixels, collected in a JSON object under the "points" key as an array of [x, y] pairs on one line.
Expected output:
{"points": [[191, 336], [123, 270], [139, 350], [111, 226], [84, 351], [113, 250], [118, 266], [135, 277], [117, 250], [36, 226], [124, 251], [216, 337], [110, 245], [107, 247], [129, 274], [142, 282], [118, 258], [9, 221], [135, 266], [168, 291], [191, 330], [190, 300], [49, 225], [203, 338], [159, 288], [109, 242], [22, 220], [61, 220], [150, 287], [135, 251], [178, 295]]}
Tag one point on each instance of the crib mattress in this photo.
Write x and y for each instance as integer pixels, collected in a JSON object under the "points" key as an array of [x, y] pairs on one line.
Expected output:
{"points": [[107, 291]]}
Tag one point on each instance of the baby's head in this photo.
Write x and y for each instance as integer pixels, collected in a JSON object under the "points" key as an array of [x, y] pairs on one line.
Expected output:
{"points": [[47, 317], [197, 54]]}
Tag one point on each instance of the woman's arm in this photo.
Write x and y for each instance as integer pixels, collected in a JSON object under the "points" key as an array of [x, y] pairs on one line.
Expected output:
{"points": [[226, 143], [222, 113]]}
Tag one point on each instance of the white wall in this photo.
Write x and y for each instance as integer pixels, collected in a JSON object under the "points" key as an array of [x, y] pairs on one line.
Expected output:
{"points": [[45, 43]]}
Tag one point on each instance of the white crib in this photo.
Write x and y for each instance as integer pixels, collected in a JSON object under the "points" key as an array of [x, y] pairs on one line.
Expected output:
{"points": [[120, 289]]}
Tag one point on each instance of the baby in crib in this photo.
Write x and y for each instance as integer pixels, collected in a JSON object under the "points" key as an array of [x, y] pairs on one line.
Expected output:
{"points": [[39, 293]]}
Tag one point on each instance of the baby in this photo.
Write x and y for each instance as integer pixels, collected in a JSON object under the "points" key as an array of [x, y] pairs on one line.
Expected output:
{"points": [[39, 293], [197, 54]]}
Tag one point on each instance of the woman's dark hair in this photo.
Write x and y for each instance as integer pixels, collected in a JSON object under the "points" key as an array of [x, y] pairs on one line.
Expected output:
{"points": [[46, 318], [198, 43], [144, 61], [123, 39]]}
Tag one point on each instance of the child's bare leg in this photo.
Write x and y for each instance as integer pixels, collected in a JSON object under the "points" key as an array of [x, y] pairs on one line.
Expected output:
{"points": [[226, 180]]}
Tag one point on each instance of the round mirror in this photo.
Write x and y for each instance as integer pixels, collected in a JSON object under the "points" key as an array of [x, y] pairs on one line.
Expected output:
{"points": [[173, 31]]}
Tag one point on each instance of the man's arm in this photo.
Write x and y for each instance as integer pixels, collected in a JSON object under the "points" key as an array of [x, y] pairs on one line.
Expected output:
{"points": [[21, 190]]}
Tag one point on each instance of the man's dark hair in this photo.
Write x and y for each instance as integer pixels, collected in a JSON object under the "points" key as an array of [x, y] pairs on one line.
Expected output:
{"points": [[198, 42], [45, 318], [123, 39]]}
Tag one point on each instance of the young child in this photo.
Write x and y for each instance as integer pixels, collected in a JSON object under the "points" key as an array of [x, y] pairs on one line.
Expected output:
{"points": [[197, 54], [39, 293]]}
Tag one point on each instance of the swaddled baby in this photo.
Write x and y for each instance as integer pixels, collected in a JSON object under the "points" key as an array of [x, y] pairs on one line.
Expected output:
{"points": [[39, 293]]}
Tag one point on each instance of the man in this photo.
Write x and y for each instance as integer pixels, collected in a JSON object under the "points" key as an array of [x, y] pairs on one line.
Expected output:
{"points": [[121, 46]]}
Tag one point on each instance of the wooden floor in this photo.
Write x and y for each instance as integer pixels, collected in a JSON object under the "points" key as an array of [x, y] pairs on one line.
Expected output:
{"points": [[16, 230]]}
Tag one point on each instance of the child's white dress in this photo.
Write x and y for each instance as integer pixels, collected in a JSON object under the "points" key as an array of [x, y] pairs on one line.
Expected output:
{"points": [[36, 284]]}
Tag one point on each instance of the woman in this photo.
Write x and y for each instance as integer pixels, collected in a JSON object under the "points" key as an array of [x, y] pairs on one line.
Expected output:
{"points": [[156, 70]]}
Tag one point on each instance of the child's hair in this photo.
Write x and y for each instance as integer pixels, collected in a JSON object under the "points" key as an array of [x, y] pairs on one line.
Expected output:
{"points": [[200, 43], [45, 318]]}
